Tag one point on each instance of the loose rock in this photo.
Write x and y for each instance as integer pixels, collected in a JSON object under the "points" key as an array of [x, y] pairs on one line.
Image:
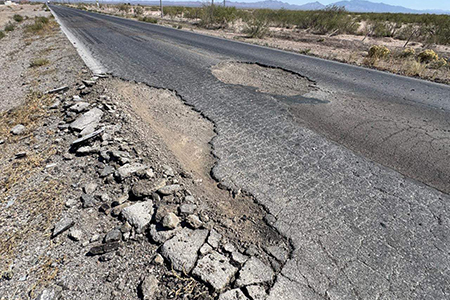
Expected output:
{"points": [[169, 189], [170, 221], [18, 129], [113, 236], [139, 214], [146, 188], [92, 116], [182, 249], [62, 225], [130, 169], [87, 138], [148, 287], [194, 222], [87, 200], [187, 209], [215, 270], [90, 188], [105, 248], [75, 234], [79, 107]]}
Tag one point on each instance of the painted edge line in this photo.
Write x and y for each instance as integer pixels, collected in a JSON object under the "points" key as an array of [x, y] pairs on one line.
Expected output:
{"points": [[86, 55]]}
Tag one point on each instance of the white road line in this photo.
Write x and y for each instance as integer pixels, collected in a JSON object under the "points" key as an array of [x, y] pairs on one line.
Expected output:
{"points": [[86, 55]]}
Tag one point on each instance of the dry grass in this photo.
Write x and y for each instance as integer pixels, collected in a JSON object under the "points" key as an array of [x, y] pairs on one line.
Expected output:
{"points": [[42, 25], [28, 114], [39, 62], [36, 203], [413, 68]]}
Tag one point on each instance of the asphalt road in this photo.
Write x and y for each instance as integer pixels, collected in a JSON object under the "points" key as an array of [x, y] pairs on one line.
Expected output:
{"points": [[360, 184]]}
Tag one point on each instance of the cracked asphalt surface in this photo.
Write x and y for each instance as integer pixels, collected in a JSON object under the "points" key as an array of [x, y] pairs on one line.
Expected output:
{"points": [[360, 229]]}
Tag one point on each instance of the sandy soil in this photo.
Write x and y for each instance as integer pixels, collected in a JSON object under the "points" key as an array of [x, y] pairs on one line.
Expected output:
{"points": [[25, 10], [265, 80]]}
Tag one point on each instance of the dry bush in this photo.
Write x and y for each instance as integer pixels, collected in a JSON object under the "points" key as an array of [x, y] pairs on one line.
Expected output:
{"points": [[413, 68], [439, 63], [39, 62], [428, 55], [256, 28], [378, 52], [408, 52]]}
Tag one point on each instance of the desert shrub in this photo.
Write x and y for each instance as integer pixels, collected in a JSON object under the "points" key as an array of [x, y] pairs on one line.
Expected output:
{"points": [[9, 27], [18, 18], [413, 68], [378, 52], [217, 16], [173, 11], [39, 24], [123, 7], [138, 10], [408, 52], [148, 19], [2, 34], [439, 63], [427, 56], [39, 62], [256, 28]]}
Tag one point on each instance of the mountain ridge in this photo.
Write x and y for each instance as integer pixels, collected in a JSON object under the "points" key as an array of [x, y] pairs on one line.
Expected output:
{"points": [[350, 5]]}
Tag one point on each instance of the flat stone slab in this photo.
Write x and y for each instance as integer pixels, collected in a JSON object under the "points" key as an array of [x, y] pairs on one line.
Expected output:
{"points": [[90, 117], [62, 225], [235, 294], [79, 107], [182, 249], [129, 169], [58, 90], [169, 189], [253, 272], [215, 269], [139, 214]]}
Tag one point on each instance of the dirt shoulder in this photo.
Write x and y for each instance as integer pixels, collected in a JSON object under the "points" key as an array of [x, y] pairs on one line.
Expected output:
{"points": [[105, 196]]}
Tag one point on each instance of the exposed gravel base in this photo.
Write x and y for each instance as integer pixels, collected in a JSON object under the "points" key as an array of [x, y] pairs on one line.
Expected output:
{"points": [[87, 215]]}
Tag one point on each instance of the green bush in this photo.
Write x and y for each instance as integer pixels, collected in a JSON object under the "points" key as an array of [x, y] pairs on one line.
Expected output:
{"points": [[18, 18], [2, 34], [9, 27]]}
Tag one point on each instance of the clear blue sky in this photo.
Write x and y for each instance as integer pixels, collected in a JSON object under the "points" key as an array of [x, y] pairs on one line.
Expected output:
{"points": [[415, 4]]}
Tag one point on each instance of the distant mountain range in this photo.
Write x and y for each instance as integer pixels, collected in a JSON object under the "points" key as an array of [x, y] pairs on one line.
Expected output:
{"points": [[351, 5]]}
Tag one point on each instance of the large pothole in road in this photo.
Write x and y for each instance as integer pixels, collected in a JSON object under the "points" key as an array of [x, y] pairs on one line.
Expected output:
{"points": [[264, 79]]}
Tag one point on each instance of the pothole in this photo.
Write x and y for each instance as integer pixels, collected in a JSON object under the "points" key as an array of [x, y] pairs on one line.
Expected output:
{"points": [[264, 79]]}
